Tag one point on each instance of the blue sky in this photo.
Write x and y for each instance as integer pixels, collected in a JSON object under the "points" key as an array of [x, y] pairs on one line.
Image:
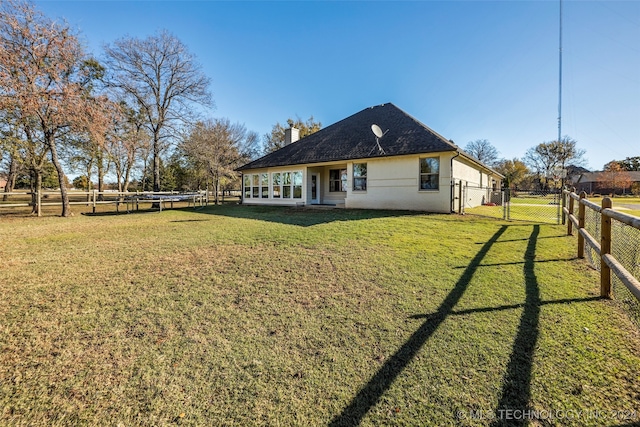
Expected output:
{"points": [[467, 69]]}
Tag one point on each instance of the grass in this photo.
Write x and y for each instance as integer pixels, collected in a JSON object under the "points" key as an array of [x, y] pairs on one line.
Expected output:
{"points": [[234, 315], [544, 209], [626, 204]]}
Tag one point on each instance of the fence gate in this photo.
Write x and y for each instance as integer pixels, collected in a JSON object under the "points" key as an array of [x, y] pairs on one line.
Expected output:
{"points": [[518, 205]]}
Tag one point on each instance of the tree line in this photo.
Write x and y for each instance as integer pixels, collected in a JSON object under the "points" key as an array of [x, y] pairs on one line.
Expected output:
{"points": [[536, 169], [138, 112]]}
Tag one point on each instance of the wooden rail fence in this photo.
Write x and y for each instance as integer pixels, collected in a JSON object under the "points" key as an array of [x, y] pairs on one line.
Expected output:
{"points": [[95, 198], [608, 263]]}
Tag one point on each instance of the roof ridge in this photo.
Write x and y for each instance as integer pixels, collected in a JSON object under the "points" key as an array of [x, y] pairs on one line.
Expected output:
{"points": [[351, 138]]}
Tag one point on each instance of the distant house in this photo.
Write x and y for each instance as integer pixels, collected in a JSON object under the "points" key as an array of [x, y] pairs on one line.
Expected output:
{"points": [[346, 165], [3, 184], [606, 182]]}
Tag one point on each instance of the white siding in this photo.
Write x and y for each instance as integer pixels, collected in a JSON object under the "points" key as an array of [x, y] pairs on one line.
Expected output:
{"points": [[393, 183], [477, 183]]}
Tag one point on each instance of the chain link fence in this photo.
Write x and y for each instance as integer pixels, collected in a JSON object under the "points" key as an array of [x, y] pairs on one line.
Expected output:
{"points": [[519, 205], [482, 201], [625, 247]]}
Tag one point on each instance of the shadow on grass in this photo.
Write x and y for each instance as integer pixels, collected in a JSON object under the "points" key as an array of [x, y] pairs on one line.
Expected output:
{"points": [[121, 212], [509, 307], [524, 262], [371, 393], [516, 391], [303, 216]]}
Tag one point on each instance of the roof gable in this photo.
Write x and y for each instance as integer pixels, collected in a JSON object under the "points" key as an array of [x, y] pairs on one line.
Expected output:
{"points": [[351, 138]]}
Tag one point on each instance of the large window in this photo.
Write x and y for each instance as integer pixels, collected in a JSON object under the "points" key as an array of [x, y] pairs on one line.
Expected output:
{"points": [[255, 181], [359, 177], [429, 173], [247, 186], [337, 180], [297, 185], [277, 182], [286, 185], [283, 185], [264, 185]]}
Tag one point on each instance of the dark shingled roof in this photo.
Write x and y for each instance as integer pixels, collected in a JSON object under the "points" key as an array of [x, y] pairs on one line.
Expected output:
{"points": [[606, 176], [352, 138]]}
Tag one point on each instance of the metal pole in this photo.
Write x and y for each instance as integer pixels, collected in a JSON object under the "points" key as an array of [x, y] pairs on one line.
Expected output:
{"points": [[560, 79]]}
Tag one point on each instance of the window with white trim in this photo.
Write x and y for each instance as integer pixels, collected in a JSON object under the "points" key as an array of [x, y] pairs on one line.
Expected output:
{"points": [[264, 185], [276, 179], [286, 185], [247, 186], [297, 185], [255, 186], [359, 177], [429, 173], [337, 180]]}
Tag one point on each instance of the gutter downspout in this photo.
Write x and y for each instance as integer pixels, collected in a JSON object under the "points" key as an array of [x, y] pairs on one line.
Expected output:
{"points": [[453, 184], [242, 188]]}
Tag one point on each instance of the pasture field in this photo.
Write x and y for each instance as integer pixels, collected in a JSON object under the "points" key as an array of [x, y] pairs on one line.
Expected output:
{"points": [[235, 315]]}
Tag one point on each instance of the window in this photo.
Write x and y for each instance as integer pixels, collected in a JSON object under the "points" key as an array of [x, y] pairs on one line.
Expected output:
{"points": [[255, 180], [429, 173], [283, 185], [359, 177], [277, 181], [337, 180], [247, 186], [264, 185], [297, 185], [286, 185]]}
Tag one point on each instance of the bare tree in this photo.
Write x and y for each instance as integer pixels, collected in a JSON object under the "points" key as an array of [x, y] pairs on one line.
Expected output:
{"points": [[91, 154], [11, 145], [45, 79], [482, 150], [218, 146], [126, 140], [544, 157], [161, 77]]}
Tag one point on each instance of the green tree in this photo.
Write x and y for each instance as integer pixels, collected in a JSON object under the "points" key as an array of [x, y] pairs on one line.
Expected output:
{"points": [[49, 177], [514, 171], [81, 183], [629, 164], [275, 140]]}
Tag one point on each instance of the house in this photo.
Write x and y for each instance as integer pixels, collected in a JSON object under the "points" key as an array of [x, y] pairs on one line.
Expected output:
{"points": [[346, 165], [607, 182]]}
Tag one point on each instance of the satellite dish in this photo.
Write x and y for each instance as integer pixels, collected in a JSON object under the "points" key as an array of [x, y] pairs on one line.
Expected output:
{"points": [[379, 134], [377, 131]]}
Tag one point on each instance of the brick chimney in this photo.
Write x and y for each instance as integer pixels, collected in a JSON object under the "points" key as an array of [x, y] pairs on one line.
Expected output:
{"points": [[291, 135]]}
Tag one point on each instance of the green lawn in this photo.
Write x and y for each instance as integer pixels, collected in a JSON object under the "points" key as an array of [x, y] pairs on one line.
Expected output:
{"points": [[241, 316], [628, 205]]}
